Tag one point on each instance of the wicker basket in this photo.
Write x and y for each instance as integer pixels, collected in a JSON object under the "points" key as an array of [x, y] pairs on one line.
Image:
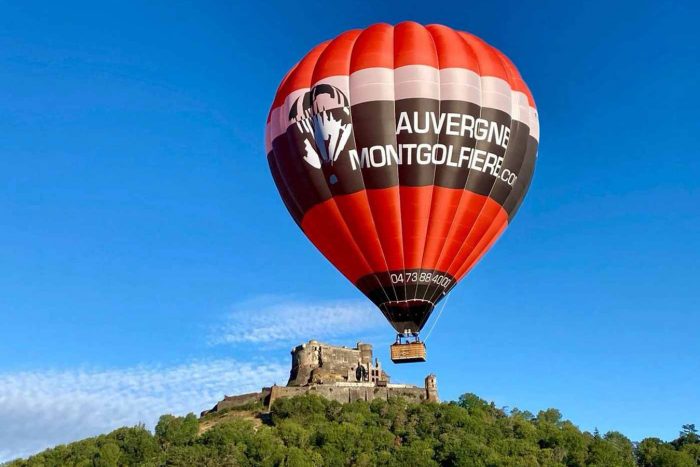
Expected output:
{"points": [[408, 352]]}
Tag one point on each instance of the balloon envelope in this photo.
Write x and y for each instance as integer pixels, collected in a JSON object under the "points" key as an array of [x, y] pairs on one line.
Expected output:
{"points": [[403, 152]]}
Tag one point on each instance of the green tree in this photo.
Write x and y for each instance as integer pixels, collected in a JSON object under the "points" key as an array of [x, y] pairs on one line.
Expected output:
{"points": [[177, 431], [688, 435], [652, 452], [137, 444], [312, 431], [108, 455], [293, 434], [296, 457]]}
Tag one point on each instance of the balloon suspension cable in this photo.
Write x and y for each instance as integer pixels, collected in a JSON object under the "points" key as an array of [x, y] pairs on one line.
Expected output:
{"points": [[430, 331]]}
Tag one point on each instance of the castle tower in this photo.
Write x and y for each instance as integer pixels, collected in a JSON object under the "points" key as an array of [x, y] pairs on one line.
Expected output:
{"points": [[305, 357], [431, 394], [365, 353]]}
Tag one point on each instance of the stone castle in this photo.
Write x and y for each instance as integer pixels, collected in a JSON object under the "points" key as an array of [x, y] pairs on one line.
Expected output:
{"points": [[342, 374], [317, 363]]}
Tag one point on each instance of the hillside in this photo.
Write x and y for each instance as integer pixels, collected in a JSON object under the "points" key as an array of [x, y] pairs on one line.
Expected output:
{"points": [[311, 431]]}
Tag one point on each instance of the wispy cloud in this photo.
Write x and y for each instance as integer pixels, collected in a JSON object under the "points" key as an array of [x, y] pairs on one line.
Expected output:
{"points": [[42, 409], [282, 320], [39, 409]]}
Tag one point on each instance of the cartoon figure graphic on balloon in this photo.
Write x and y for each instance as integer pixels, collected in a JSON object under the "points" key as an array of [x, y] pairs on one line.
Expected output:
{"points": [[322, 113]]}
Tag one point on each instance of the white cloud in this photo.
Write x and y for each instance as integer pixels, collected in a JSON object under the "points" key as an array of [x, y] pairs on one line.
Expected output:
{"points": [[42, 409], [289, 321]]}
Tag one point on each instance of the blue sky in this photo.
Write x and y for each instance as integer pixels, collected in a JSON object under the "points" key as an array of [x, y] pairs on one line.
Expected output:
{"points": [[145, 250]]}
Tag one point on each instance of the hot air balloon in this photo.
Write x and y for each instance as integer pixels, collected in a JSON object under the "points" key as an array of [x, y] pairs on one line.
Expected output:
{"points": [[403, 152]]}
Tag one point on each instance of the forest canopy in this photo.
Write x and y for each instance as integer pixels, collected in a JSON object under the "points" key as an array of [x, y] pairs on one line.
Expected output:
{"points": [[312, 431]]}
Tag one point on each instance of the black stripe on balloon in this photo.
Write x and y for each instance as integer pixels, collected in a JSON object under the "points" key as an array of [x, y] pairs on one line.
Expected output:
{"points": [[512, 162], [522, 185], [283, 190], [415, 174], [374, 124], [316, 161], [401, 284]]}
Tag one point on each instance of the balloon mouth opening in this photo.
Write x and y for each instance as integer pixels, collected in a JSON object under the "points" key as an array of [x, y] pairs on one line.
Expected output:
{"points": [[407, 316]]}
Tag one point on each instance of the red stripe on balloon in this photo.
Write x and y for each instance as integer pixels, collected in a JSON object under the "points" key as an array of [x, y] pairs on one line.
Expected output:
{"points": [[514, 78], [445, 203], [491, 214], [326, 228], [386, 210], [357, 215], [413, 45], [415, 215], [374, 48], [407, 43], [300, 77], [453, 247], [453, 51], [489, 63], [484, 245], [492, 62], [465, 217], [335, 59]]}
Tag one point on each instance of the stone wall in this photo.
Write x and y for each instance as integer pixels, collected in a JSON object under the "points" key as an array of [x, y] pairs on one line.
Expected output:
{"points": [[350, 393], [343, 393]]}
